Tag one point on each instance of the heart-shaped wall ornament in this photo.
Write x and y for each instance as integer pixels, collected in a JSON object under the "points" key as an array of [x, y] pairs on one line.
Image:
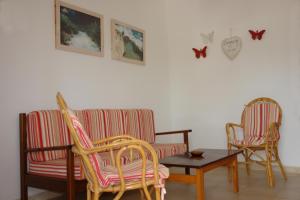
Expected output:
{"points": [[232, 46]]}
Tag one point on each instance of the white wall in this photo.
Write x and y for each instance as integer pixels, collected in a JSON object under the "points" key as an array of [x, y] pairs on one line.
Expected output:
{"points": [[204, 94], [207, 93], [32, 70]]}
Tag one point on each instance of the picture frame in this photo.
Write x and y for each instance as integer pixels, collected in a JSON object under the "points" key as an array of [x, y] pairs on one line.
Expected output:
{"points": [[127, 43], [78, 30]]}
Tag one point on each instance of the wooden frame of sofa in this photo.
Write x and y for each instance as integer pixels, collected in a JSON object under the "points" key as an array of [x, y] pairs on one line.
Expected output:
{"points": [[68, 185]]}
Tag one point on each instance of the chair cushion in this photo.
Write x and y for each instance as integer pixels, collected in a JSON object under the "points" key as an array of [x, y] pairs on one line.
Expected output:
{"points": [[133, 172], [257, 119], [250, 141]]}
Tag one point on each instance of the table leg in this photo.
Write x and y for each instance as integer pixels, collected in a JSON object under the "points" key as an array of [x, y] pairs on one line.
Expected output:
{"points": [[200, 184], [235, 175]]}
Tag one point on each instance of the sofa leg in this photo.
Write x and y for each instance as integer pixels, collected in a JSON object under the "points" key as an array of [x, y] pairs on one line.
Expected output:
{"points": [[70, 175], [24, 191]]}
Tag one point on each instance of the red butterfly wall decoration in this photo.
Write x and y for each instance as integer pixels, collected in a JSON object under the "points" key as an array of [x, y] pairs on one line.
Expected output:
{"points": [[257, 34], [201, 52]]}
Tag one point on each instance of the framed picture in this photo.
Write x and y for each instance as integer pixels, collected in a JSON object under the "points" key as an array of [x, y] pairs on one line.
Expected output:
{"points": [[127, 43], [78, 30]]}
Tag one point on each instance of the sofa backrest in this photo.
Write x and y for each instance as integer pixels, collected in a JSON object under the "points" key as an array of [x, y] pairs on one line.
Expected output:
{"points": [[46, 128]]}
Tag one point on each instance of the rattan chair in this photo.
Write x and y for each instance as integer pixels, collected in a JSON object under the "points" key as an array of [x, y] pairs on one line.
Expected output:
{"points": [[258, 131], [117, 177]]}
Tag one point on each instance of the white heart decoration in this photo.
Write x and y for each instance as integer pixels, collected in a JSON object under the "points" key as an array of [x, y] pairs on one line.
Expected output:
{"points": [[232, 46]]}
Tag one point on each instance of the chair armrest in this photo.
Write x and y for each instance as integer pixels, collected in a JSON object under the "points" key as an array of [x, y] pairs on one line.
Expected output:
{"points": [[113, 139], [185, 136], [231, 131], [121, 146], [112, 146], [273, 133]]}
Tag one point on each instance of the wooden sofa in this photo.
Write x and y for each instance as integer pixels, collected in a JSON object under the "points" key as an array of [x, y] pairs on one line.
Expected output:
{"points": [[46, 159]]}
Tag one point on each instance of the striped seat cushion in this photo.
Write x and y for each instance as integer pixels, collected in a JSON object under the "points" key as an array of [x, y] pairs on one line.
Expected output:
{"points": [[251, 141], [55, 168], [257, 120], [133, 172], [46, 128], [58, 168]]}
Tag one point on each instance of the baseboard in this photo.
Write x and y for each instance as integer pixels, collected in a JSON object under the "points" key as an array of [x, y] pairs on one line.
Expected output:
{"points": [[288, 169], [43, 195]]}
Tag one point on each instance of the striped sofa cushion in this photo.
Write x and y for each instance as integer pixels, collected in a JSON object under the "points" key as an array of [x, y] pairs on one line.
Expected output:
{"points": [[103, 123], [257, 120], [46, 128], [165, 150], [58, 168]]}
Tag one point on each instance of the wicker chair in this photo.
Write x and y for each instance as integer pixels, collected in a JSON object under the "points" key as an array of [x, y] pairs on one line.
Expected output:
{"points": [[259, 126], [116, 178]]}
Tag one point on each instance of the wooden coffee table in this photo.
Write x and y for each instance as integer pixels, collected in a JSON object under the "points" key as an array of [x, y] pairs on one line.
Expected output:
{"points": [[212, 158]]}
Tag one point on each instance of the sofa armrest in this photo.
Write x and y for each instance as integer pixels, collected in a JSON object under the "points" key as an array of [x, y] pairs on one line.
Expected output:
{"points": [[54, 148], [185, 136]]}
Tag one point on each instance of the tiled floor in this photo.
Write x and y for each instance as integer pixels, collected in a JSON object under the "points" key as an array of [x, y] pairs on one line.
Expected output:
{"points": [[253, 187]]}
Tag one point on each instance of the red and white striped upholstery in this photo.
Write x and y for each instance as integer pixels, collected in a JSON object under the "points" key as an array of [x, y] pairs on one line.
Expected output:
{"points": [[47, 129], [58, 168], [108, 175], [133, 172], [103, 123], [257, 119], [165, 150], [55, 168]]}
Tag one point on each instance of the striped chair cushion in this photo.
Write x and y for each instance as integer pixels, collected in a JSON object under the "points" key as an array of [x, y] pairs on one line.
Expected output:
{"points": [[46, 128], [257, 120], [251, 141], [85, 142], [133, 172]]}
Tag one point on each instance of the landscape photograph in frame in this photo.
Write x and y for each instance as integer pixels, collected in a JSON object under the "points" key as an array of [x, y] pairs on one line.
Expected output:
{"points": [[127, 43], [78, 30]]}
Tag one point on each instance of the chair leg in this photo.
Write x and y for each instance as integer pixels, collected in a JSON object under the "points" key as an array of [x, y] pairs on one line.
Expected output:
{"points": [[88, 194], [157, 194], [247, 161], [146, 192], [269, 167], [119, 195], [96, 196], [279, 163]]}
